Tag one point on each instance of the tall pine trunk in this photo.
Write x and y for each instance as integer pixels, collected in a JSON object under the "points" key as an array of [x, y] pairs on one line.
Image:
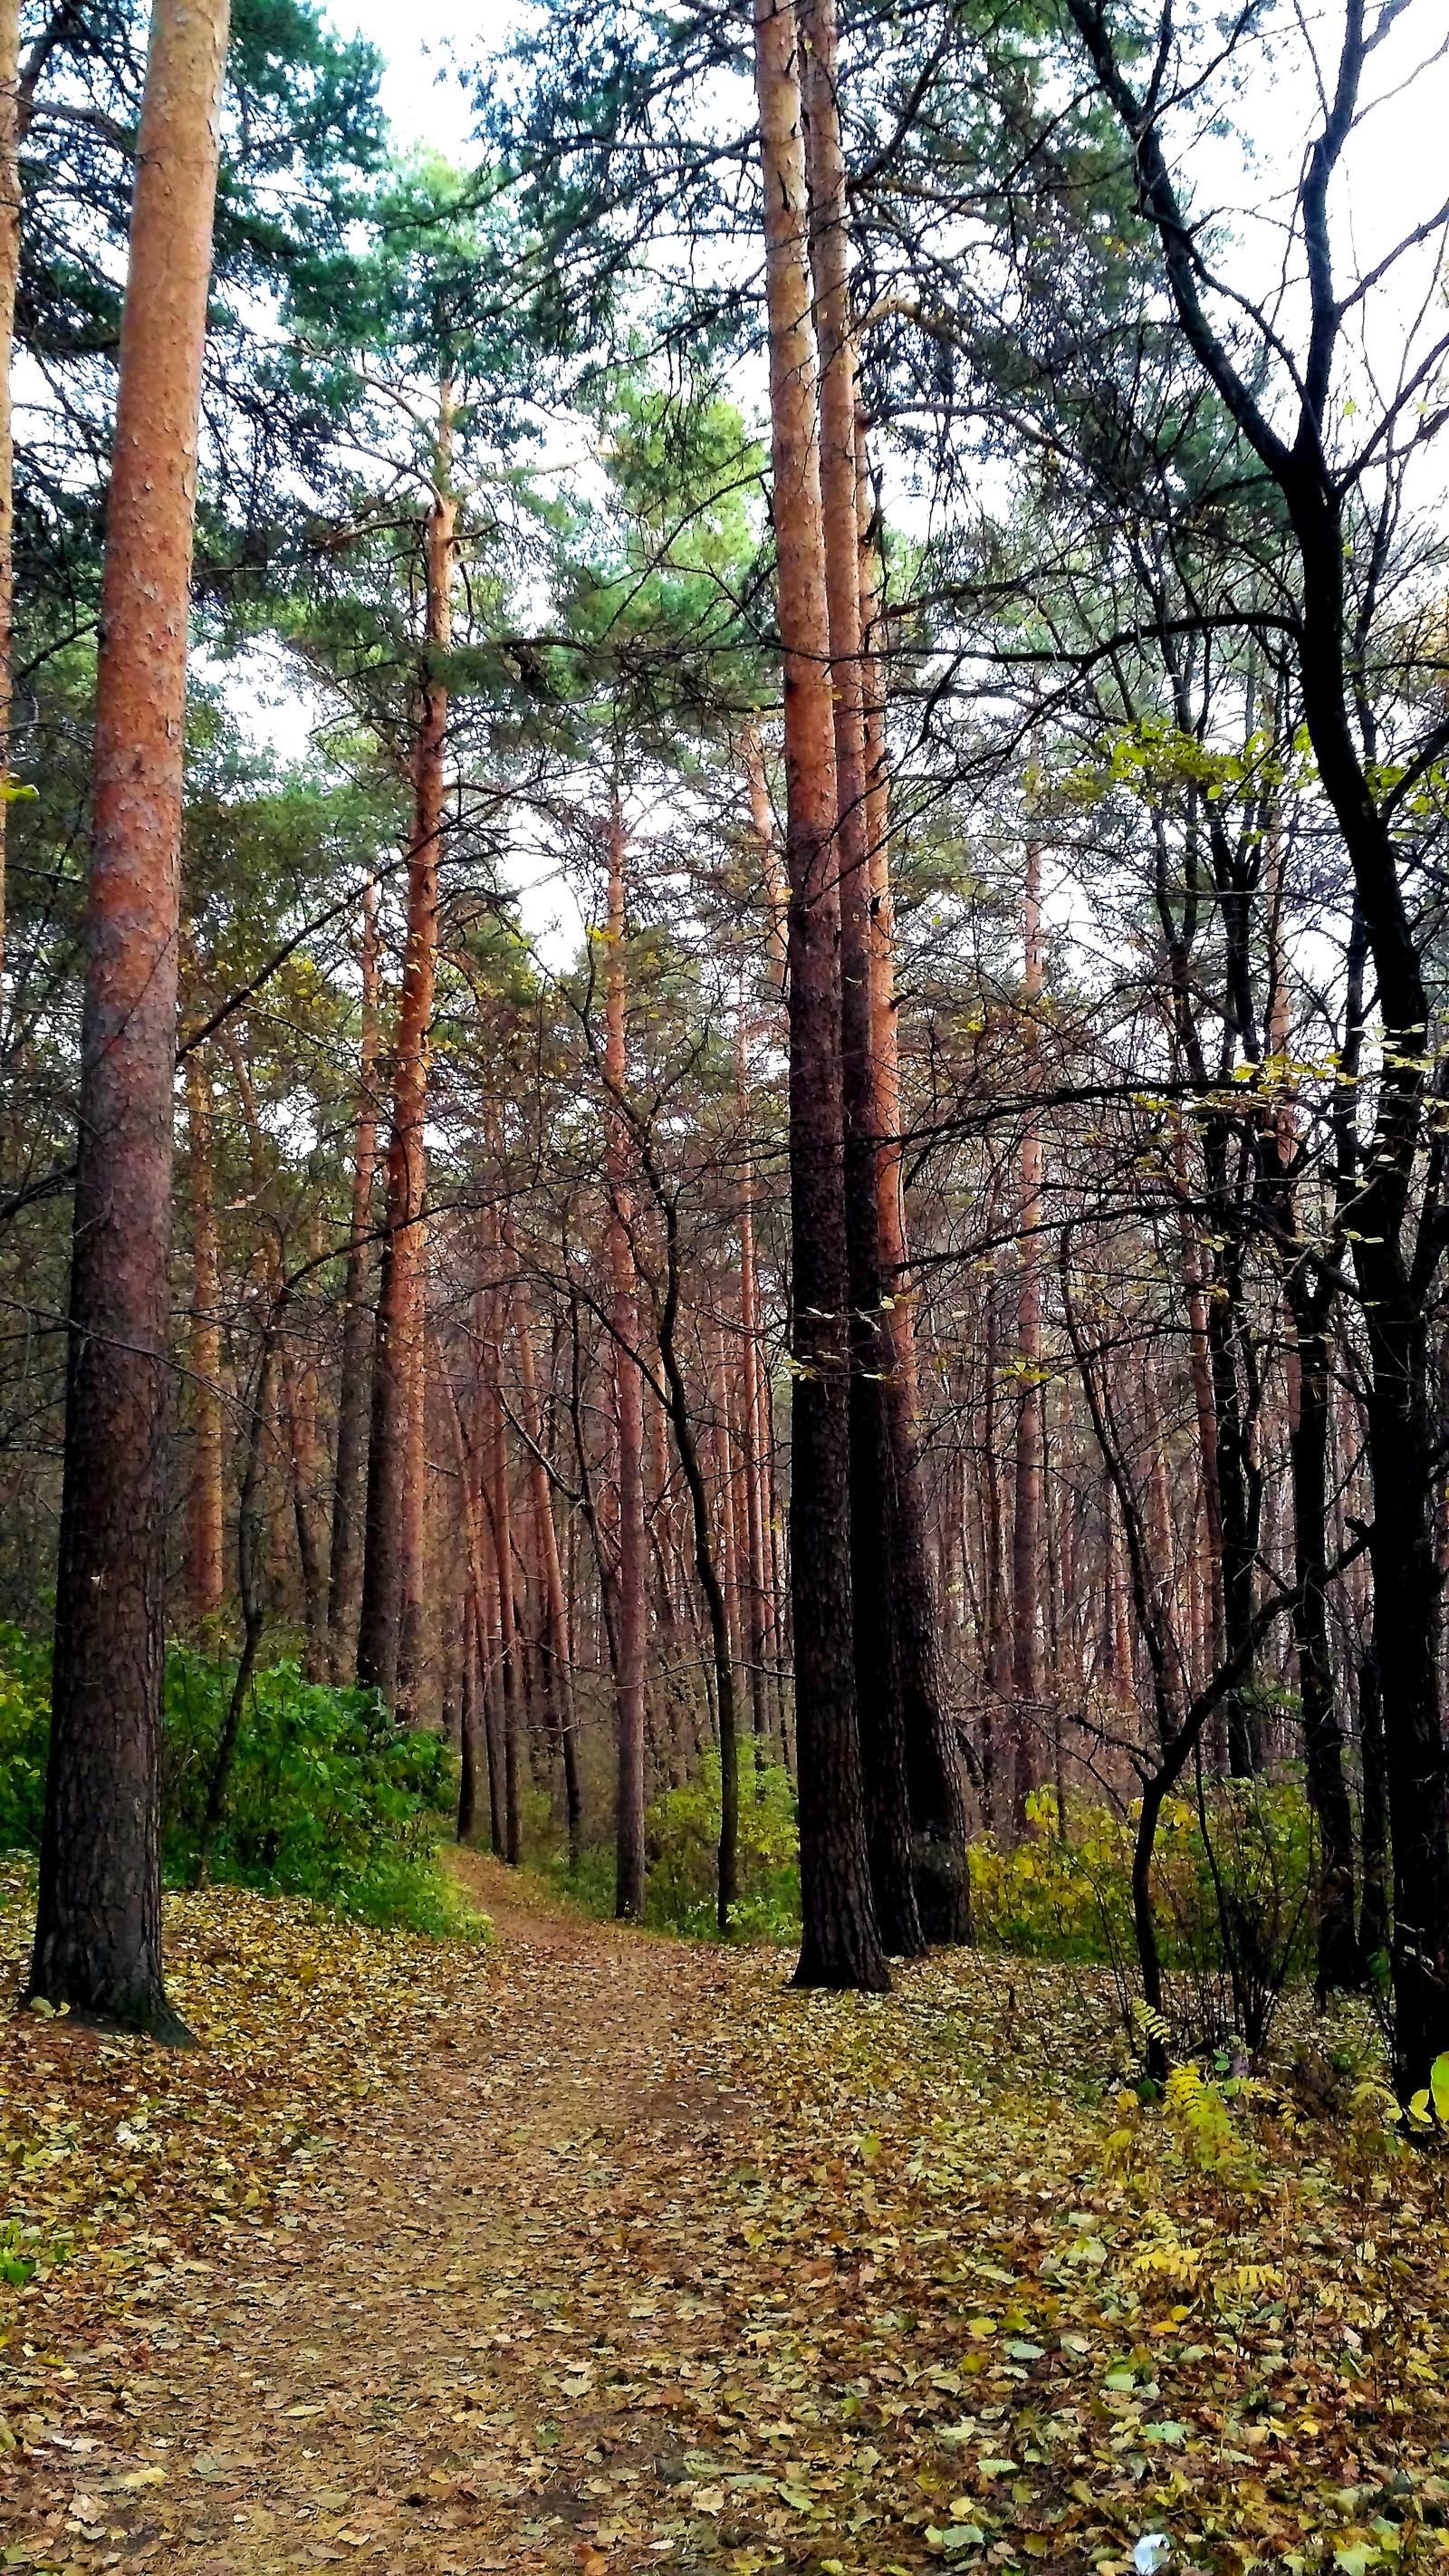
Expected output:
{"points": [[1026, 1516], [10, 210], [841, 1943], [349, 1473], [629, 1419], [98, 1929], [935, 1772], [510, 1644], [558, 1652], [412, 1650], [872, 1480], [397, 1375], [757, 1595]]}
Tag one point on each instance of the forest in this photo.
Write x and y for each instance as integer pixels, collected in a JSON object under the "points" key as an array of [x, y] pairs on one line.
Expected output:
{"points": [[724, 1287]]}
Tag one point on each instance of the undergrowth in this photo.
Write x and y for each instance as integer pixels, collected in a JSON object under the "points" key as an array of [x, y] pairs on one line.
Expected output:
{"points": [[326, 1798], [681, 1831]]}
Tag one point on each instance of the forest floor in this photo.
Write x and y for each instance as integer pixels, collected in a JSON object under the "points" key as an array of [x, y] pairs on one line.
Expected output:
{"points": [[597, 2251]]}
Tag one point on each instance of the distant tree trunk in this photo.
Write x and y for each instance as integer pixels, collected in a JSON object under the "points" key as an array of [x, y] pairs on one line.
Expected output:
{"points": [[841, 1944], [1338, 1954], [300, 1447], [757, 1595], [397, 1383], [935, 1774], [774, 882], [205, 1514], [727, 1880], [412, 1650], [251, 1592], [559, 1672], [306, 1457], [1237, 1488], [468, 1722], [872, 1464], [629, 1417], [1026, 1521], [10, 211], [489, 1656], [1375, 1929], [995, 1640], [477, 1626], [729, 1496], [98, 1928], [1202, 1389], [510, 1658], [349, 1478], [1119, 1629]]}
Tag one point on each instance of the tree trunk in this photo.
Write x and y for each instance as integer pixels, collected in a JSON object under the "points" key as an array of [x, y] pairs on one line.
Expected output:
{"points": [[397, 1383], [98, 1929], [727, 1883], [558, 1667], [1237, 1495], [757, 1596], [251, 1593], [412, 1654], [300, 1448], [1202, 1389], [629, 1419], [774, 882], [10, 213], [841, 1944], [935, 1774], [1338, 1958], [205, 1510], [1375, 1930], [468, 1722], [726, 1449], [349, 1476], [1026, 1517], [500, 1514], [872, 1477]]}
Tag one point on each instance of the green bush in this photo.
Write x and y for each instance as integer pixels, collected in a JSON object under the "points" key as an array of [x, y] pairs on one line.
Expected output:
{"points": [[24, 1739], [681, 1833], [1236, 1875], [326, 1797]]}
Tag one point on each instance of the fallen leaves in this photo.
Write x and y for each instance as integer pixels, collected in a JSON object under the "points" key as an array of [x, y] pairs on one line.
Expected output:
{"points": [[663, 2263]]}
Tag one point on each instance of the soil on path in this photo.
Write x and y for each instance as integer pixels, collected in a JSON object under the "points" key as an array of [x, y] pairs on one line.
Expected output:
{"points": [[463, 2354], [598, 2252]]}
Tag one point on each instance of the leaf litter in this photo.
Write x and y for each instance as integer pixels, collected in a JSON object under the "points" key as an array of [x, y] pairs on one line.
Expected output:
{"points": [[597, 2251]]}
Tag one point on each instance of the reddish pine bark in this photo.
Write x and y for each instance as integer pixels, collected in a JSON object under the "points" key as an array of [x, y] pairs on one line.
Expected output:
{"points": [[398, 1385], [510, 1647], [629, 1418], [774, 883], [841, 1943], [205, 1516], [1026, 1516], [98, 1929], [758, 1603], [10, 209], [558, 1651], [348, 1484], [872, 1496], [935, 1773], [412, 1655]]}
